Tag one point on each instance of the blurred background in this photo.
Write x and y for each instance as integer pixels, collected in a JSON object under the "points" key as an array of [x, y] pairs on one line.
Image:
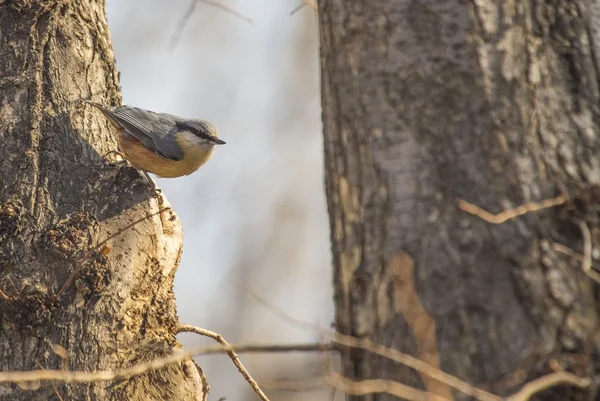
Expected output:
{"points": [[254, 216]]}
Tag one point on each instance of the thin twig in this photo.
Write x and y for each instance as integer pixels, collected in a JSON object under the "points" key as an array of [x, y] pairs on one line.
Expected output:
{"points": [[416, 364], [232, 354], [311, 3], [546, 382], [310, 347], [54, 387], [89, 253], [190, 11], [591, 273], [274, 348], [511, 213], [228, 10], [57, 393], [403, 391], [184, 20], [63, 376], [389, 353], [524, 394], [586, 264], [558, 247], [294, 385], [298, 8], [29, 379], [392, 387]]}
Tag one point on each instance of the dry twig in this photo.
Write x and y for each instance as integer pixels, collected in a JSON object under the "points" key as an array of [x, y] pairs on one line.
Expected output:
{"points": [[511, 213], [392, 387], [558, 247], [408, 393], [294, 385], [416, 364], [586, 258], [30, 379], [526, 392], [386, 352], [311, 3], [586, 264], [65, 376], [188, 14], [546, 382], [232, 354]]}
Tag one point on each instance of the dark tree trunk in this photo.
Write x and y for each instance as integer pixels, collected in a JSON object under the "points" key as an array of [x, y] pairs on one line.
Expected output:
{"points": [[59, 198], [494, 102]]}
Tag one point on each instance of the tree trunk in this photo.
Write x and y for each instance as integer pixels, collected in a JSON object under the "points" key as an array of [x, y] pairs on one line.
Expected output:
{"points": [[496, 103], [59, 200]]}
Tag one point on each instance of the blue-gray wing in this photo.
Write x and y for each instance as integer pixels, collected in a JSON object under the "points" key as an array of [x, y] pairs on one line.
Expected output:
{"points": [[154, 130]]}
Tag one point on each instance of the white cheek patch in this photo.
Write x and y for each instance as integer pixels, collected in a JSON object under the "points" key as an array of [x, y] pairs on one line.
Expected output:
{"points": [[191, 138], [188, 137]]}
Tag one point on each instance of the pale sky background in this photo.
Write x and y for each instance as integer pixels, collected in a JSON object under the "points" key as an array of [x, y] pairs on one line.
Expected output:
{"points": [[255, 215]]}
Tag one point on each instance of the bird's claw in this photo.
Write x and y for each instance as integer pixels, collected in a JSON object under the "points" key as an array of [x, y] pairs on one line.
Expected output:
{"points": [[150, 183], [114, 161], [115, 152]]}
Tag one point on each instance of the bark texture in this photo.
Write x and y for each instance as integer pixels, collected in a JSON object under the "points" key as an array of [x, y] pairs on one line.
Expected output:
{"points": [[494, 102], [59, 198]]}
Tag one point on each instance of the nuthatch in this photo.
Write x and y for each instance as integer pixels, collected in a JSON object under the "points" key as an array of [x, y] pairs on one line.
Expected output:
{"points": [[161, 144]]}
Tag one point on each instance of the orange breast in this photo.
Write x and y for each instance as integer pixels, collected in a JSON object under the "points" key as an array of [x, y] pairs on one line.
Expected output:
{"points": [[144, 159]]}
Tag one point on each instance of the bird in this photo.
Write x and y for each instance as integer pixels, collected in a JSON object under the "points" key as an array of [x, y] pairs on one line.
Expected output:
{"points": [[163, 144]]}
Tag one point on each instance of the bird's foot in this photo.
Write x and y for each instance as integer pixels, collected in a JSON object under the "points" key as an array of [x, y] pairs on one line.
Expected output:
{"points": [[151, 185], [115, 161]]}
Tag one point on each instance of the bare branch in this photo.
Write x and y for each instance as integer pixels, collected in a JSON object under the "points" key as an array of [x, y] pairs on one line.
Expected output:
{"points": [[586, 264], [558, 247], [294, 385], [65, 376], [394, 388], [232, 354], [311, 3], [586, 258], [409, 393], [416, 364], [511, 213], [32, 379], [229, 10], [190, 11], [526, 392], [546, 382], [389, 353]]}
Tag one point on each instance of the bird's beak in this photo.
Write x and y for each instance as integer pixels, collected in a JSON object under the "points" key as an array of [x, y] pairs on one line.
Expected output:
{"points": [[217, 141]]}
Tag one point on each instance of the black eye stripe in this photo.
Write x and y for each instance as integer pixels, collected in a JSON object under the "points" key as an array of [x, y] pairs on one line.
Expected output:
{"points": [[202, 133]]}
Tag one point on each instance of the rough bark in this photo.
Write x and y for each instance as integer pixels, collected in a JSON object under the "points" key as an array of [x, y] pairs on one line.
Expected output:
{"points": [[59, 198], [494, 102]]}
